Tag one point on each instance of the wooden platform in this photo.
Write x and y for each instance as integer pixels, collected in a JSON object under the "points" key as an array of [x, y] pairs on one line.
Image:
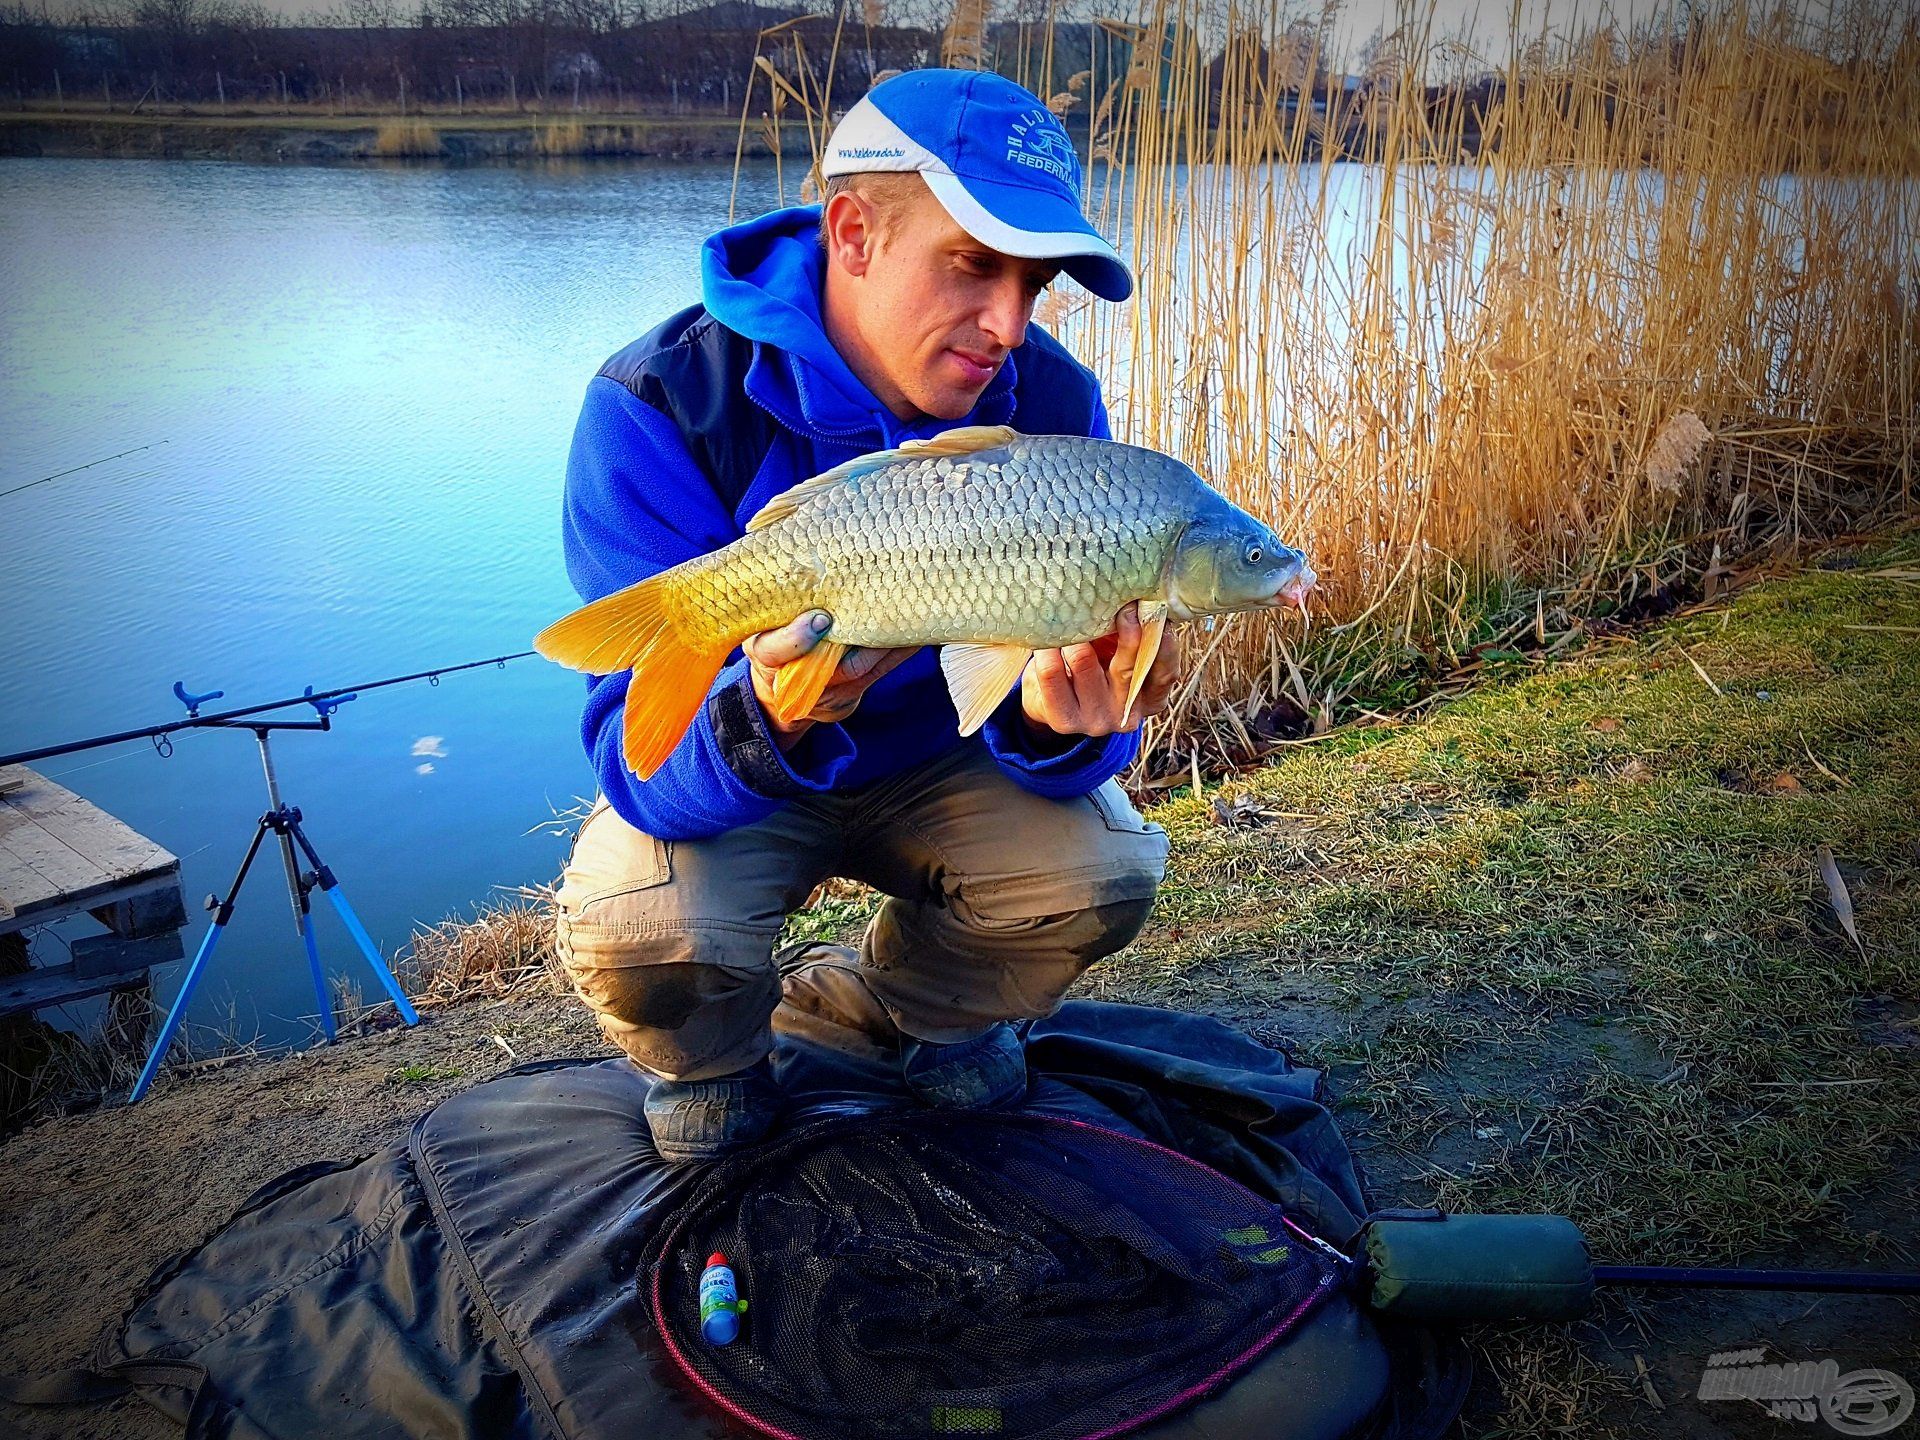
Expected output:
{"points": [[59, 855]]}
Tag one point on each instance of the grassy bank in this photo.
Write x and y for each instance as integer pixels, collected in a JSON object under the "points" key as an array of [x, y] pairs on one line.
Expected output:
{"points": [[320, 135], [1615, 863], [1630, 846]]}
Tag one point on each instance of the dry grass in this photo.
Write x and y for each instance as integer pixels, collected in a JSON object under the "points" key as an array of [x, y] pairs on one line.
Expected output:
{"points": [[503, 949], [1664, 322], [407, 140], [560, 138], [566, 139], [45, 1071], [580, 139]]}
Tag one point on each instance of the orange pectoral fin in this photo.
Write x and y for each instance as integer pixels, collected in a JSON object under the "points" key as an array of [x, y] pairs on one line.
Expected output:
{"points": [[798, 685]]}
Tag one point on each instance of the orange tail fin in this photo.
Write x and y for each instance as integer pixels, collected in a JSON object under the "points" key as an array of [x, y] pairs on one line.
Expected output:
{"points": [[672, 672]]}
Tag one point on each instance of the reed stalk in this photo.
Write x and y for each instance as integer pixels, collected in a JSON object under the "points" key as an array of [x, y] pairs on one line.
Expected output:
{"points": [[1639, 305], [407, 140]]}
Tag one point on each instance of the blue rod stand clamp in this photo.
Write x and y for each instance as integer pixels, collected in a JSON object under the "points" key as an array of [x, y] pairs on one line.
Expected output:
{"points": [[194, 702], [326, 704]]}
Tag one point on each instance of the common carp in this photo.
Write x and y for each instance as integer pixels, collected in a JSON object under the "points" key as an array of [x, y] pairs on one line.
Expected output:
{"points": [[986, 542]]}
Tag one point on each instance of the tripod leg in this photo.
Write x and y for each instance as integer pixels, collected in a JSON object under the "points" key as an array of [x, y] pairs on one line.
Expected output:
{"points": [[221, 915], [283, 820], [319, 978], [303, 922], [367, 948], [179, 1010], [330, 887]]}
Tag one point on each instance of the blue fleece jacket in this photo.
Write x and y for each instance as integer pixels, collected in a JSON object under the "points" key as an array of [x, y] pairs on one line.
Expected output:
{"points": [[636, 503]]}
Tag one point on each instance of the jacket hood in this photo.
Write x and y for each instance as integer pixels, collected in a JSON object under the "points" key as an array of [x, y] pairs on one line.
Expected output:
{"points": [[762, 279]]}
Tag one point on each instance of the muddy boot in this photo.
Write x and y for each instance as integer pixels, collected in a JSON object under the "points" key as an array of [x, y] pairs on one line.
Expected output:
{"points": [[705, 1119], [983, 1073]]}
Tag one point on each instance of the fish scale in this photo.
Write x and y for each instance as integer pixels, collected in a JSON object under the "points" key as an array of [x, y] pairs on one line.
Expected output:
{"points": [[941, 550], [987, 542]]}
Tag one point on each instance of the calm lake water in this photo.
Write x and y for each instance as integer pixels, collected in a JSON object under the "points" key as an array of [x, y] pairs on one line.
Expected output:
{"points": [[358, 385]]}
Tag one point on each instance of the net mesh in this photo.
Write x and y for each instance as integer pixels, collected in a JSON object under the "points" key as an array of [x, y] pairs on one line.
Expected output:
{"points": [[930, 1273]]}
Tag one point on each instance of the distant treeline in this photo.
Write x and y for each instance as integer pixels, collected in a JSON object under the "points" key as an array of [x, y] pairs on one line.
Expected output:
{"points": [[544, 54], [723, 59]]}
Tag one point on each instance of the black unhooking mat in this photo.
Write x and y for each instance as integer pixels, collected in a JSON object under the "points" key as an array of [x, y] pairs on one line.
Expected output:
{"points": [[488, 1277]]}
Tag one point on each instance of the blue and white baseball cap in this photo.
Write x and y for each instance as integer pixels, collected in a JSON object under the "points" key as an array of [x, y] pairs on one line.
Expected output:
{"points": [[993, 155]]}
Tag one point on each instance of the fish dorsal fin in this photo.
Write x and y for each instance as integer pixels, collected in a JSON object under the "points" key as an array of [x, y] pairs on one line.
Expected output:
{"points": [[797, 498], [962, 441]]}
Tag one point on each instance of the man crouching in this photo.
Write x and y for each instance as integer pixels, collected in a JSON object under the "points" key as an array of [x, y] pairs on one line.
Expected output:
{"points": [[1010, 860]]}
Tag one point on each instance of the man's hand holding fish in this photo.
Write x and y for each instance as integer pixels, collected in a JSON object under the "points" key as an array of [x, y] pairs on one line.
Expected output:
{"points": [[858, 669], [1082, 689]]}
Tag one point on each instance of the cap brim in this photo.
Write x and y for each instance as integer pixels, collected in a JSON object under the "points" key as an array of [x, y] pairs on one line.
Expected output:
{"points": [[1050, 228]]}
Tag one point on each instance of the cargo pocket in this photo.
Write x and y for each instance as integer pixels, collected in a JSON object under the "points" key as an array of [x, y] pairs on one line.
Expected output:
{"points": [[650, 863], [1117, 812], [1121, 859], [610, 858]]}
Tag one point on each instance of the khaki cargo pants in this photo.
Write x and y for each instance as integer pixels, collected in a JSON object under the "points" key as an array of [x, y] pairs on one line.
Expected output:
{"points": [[996, 899]]}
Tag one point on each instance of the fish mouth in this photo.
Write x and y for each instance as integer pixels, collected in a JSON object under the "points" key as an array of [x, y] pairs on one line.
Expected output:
{"points": [[1293, 594]]}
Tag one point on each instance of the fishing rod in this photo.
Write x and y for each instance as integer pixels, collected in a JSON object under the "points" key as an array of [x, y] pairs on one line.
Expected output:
{"points": [[75, 470], [1430, 1264], [195, 720], [282, 820], [1693, 1277]]}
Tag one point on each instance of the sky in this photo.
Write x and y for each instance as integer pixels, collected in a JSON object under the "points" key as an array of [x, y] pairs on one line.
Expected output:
{"points": [[1488, 20], [1488, 24]]}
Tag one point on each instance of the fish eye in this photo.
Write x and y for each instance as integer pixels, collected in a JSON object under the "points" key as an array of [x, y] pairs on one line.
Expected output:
{"points": [[1254, 555]]}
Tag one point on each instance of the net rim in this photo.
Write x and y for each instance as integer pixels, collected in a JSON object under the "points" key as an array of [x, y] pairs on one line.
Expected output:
{"points": [[1333, 1262]]}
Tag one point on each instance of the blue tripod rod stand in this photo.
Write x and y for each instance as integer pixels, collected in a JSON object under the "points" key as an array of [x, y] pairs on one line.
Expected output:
{"points": [[284, 821]]}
